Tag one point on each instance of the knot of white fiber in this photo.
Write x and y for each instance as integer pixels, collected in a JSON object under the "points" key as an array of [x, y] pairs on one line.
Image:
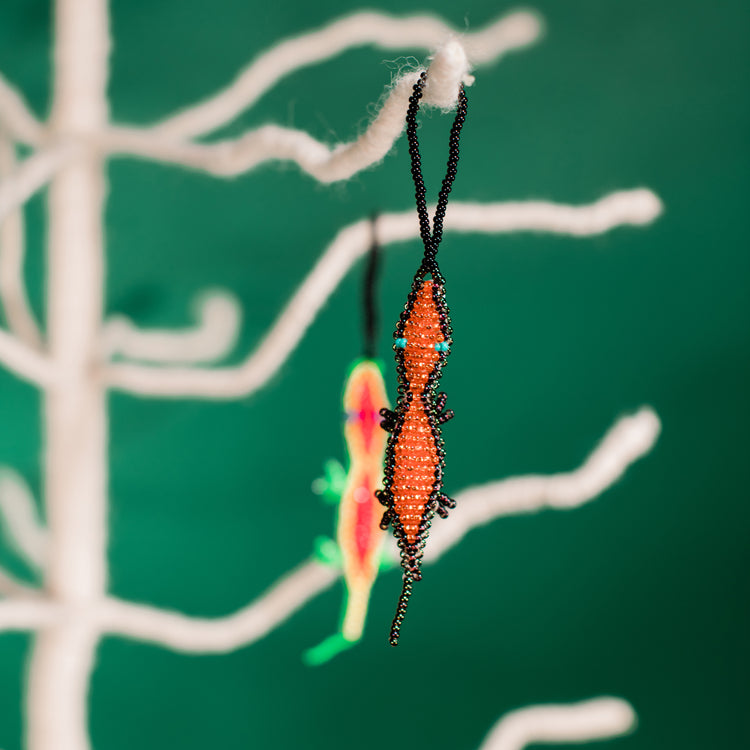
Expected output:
{"points": [[449, 68]]}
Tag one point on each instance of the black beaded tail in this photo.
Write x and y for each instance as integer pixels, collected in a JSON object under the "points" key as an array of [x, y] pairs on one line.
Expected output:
{"points": [[403, 603]]}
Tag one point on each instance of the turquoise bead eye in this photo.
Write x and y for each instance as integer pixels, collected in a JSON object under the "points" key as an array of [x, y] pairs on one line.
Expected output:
{"points": [[441, 346], [400, 343]]}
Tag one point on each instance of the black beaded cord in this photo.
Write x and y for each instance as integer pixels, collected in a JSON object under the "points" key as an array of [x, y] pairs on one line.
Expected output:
{"points": [[370, 316], [431, 237], [434, 403]]}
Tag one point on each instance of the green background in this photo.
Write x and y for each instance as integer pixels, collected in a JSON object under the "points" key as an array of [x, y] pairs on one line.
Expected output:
{"points": [[641, 594]]}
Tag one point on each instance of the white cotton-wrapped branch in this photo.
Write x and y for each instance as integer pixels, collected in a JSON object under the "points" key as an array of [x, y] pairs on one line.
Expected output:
{"points": [[16, 118], [74, 412], [218, 316], [32, 175], [634, 207], [12, 249], [625, 443], [27, 614], [448, 69], [627, 207], [508, 33], [183, 633], [631, 438], [25, 362], [595, 719], [20, 524]]}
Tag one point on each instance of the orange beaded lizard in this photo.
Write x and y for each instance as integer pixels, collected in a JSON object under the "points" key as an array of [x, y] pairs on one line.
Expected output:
{"points": [[413, 485]]}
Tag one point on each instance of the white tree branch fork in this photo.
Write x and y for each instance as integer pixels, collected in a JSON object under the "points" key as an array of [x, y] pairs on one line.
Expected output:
{"points": [[627, 441], [32, 175], [508, 33], [448, 69], [16, 117], [596, 719], [273, 143], [636, 207]]}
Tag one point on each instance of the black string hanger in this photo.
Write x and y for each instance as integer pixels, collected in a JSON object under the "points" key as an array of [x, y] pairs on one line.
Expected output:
{"points": [[369, 305], [431, 237]]}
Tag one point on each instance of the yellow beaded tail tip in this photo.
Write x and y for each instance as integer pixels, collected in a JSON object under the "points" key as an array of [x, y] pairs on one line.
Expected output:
{"points": [[403, 603]]}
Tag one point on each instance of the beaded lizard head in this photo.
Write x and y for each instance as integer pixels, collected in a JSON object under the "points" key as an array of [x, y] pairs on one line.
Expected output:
{"points": [[423, 334]]}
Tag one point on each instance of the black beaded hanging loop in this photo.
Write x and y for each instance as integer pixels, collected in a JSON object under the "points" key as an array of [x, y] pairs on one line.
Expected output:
{"points": [[431, 237]]}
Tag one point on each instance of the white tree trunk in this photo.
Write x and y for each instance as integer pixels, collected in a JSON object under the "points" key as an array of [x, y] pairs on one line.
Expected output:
{"points": [[75, 418]]}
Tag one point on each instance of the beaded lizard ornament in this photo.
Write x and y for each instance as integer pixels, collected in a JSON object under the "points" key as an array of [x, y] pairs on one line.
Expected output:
{"points": [[413, 487], [358, 534]]}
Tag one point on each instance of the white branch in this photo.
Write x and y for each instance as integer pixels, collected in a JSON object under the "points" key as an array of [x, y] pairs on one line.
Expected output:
{"points": [[12, 249], [514, 31], [627, 207], [630, 207], [183, 633], [27, 614], [627, 441], [25, 362], [448, 69], [596, 719], [32, 175], [213, 337], [16, 118], [19, 520]]}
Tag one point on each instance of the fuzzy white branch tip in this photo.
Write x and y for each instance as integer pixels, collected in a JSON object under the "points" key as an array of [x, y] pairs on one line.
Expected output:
{"points": [[512, 32], [596, 719], [449, 68], [629, 439], [218, 316]]}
